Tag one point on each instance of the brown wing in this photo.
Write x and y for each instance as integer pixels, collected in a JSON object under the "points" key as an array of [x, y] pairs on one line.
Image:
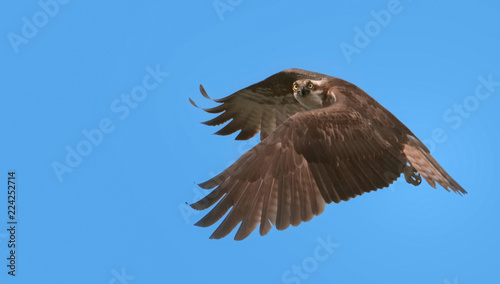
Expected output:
{"points": [[416, 153], [313, 158], [421, 160], [260, 107]]}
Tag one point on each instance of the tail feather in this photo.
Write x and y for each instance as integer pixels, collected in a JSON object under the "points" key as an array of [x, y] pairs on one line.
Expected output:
{"points": [[428, 167]]}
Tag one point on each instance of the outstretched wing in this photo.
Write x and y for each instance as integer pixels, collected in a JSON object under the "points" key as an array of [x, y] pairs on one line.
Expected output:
{"points": [[260, 107], [313, 158]]}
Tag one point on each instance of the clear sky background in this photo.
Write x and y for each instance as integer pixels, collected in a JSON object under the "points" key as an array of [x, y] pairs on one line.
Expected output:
{"points": [[102, 177]]}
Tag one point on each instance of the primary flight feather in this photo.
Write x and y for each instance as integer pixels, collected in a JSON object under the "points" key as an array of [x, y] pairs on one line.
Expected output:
{"points": [[323, 140]]}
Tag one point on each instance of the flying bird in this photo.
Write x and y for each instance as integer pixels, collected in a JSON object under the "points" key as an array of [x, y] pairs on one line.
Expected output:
{"points": [[323, 140]]}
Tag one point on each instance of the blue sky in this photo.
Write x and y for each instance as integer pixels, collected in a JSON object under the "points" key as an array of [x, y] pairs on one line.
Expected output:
{"points": [[107, 148]]}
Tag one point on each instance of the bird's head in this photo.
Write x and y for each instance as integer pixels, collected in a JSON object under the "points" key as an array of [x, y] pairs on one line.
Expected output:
{"points": [[313, 94]]}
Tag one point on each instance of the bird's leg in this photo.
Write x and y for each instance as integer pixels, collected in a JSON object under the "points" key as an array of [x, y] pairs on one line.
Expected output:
{"points": [[411, 175]]}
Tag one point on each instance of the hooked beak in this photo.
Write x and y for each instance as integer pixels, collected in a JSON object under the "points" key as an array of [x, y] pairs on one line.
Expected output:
{"points": [[304, 91]]}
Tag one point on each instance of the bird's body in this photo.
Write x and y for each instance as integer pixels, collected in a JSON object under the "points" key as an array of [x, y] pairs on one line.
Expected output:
{"points": [[323, 140]]}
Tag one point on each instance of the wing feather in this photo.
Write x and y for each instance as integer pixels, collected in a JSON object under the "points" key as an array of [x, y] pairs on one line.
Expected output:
{"points": [[289, 177], [429, 168], [221, 208], [253, 214], [235, 216], [260, 107]]}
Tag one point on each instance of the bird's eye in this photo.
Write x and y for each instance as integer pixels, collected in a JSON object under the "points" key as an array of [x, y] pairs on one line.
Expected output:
{"points": [[295, 87], [310, 85]]}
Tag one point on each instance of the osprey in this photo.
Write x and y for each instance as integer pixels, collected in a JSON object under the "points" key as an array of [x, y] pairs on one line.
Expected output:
{"points": [[323, 140]]}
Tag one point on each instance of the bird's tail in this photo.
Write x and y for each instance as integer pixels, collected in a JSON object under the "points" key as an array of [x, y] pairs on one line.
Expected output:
{"points": [[421, 160]]}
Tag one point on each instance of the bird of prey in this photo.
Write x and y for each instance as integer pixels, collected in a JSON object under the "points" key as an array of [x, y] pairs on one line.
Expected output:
{"points": [[323, 140]]}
